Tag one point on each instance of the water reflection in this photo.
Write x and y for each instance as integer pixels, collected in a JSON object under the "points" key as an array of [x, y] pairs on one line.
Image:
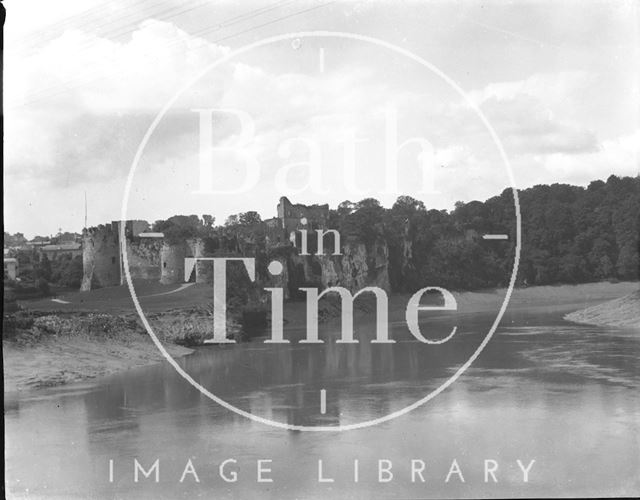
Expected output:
{"points": [[564, 395]]}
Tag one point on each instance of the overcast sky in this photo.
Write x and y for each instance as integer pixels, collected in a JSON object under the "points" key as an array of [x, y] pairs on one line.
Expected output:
{"points": [[85, 79]]}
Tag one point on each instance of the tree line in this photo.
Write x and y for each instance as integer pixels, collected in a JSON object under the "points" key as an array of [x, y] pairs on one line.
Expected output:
{"points": [[570, 234]]}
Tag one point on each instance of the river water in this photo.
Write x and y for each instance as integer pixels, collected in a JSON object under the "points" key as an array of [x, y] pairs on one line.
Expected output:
{"points": [[563, 395]]}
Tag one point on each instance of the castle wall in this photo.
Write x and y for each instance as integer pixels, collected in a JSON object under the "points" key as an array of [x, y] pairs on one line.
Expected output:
{"points": [[204, 268], [100, 257], [291, 215], [172, 263], [134, 227], [156, 259], [143, 255]]}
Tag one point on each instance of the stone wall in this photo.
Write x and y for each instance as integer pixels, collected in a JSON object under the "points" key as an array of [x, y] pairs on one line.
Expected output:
{"points": [[143, 255], [204, 269], [291, 215], [157, 259], [172, 263], [100, 257]]}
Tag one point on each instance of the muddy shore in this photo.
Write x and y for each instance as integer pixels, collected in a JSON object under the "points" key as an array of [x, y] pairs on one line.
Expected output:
{"points": [[622, 313], [63, 358]]}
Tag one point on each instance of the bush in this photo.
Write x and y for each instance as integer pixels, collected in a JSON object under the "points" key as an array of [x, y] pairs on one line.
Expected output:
{"points": [[13, 324], [43, 286], [9, 300], [67, 271]]}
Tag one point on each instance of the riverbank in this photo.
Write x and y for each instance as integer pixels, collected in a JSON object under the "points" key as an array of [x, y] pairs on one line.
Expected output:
{"points": [[622, 313], [62, 360], [78, 346]]}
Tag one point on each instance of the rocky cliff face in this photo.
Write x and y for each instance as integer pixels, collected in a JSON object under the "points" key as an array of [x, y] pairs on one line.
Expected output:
{"points": [[358, 266]]}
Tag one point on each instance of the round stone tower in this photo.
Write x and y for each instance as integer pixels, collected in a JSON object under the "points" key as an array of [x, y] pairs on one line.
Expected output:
{"points": [[172, 262], [100, 257]]}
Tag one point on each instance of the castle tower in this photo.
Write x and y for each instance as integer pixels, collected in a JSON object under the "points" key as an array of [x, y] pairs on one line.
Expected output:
{"points": [[100, 257]]}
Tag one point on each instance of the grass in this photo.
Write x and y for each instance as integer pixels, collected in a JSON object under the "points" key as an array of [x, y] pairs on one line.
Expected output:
{"points": [[117, 299]]}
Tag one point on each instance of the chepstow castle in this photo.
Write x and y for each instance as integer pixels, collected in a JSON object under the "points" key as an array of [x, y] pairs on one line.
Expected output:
{"points": [[152, 256]]}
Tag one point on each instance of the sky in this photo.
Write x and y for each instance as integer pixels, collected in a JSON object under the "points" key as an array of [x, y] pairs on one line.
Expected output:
{"points": [[318, 119]]}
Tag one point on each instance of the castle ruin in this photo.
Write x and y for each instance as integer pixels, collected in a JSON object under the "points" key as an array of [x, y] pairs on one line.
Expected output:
{"points": [[151, 257], [102, 261]]}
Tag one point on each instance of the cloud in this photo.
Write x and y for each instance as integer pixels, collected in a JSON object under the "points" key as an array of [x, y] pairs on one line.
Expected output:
{"points": [[619, 156], [537, 115], [551, 88], [83, 71], [77, 109], [527, 126]]}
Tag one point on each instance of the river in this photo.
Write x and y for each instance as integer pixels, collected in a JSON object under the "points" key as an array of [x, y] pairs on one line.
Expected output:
{"points": [[562, 395]]}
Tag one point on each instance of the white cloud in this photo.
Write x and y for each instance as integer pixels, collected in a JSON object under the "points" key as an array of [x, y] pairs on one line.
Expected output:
{"points": [[90, 100], [82, 71], [539, 114], [619, 156], [551, 88]]}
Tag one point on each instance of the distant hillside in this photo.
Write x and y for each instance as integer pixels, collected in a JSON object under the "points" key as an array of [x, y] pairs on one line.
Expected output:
{"points": [[623, 312]]}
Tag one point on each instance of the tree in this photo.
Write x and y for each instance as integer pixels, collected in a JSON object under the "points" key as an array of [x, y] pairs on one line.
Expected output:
{"points": [[66, 236], [366, 223], [346, 208], [14, 240], [180, 228], [627, 265], [368, 203], [208, 220], [67, 271], [232, 220], [249, 218], [406, 206], [44, 268]]}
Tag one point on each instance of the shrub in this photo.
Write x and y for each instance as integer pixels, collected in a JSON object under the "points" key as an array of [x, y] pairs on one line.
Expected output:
{"points": [[13, 324], [43, 286]]}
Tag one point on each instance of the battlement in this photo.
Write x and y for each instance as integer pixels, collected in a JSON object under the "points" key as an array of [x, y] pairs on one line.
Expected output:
{"points": [[133, 228]]}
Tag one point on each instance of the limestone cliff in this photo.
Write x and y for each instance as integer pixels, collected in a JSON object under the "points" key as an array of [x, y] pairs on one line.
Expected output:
{"points": [[356, 267]]}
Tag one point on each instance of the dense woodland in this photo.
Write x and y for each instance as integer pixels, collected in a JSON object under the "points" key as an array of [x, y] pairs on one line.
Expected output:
{"points": [[570, 234]]}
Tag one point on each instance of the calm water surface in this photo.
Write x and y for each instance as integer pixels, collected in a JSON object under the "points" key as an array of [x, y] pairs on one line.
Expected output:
{"points": [[563, 395]]}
